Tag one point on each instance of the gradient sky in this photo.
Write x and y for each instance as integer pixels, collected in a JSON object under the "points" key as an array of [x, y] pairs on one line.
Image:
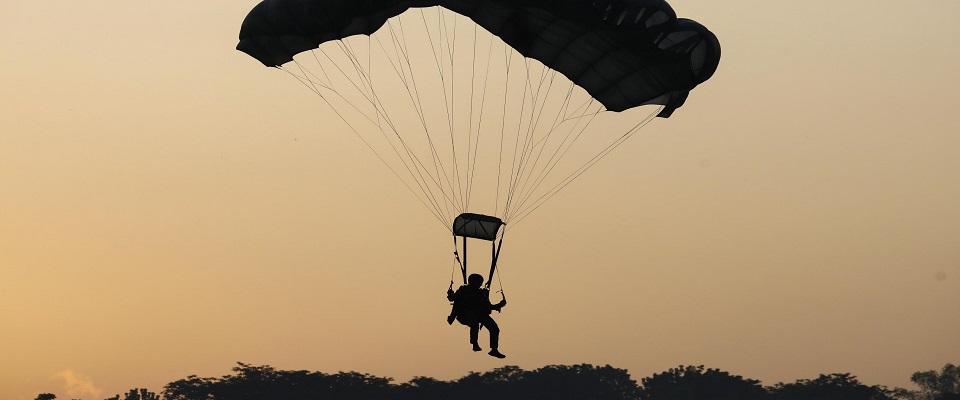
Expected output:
{"points": [[168, 208]]}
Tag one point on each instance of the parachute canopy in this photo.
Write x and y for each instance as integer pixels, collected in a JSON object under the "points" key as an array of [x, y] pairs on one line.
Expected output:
{"points": [[624, 53], [477, 226]]}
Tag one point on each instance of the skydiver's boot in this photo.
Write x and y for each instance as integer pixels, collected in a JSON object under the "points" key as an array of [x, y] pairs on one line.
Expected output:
{"points": [[496, 353], [476, 347]]}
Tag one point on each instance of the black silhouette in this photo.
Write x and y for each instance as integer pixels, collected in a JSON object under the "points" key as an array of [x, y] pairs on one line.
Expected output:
{"points": [[831, 387], [137, 394], [560, 382], [943, 385], [472, 307], [698, 383], [639, 45], [507, 383]]}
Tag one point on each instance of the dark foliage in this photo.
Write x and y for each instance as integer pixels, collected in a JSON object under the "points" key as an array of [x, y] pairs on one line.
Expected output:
{"points": [[552, 382], [699, 383], [830, 387], [263, 383], [137, 394], [943, 385]]}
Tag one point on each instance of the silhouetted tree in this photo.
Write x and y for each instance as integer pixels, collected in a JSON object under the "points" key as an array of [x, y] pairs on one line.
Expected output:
{"points": [[136, 394], [553, 382], [46, 396], [550, 382], [698, 383], [943, 385], [830, 387], [506, 383], [425, 388], [264, 382], [189, 388], [582, 381]]}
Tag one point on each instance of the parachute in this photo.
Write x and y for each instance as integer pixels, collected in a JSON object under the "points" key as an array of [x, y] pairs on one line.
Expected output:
{"points": [[522, 88]]}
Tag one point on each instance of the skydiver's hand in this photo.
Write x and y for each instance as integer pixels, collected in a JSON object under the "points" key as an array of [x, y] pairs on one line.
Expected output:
{"points": [[502, 303]]}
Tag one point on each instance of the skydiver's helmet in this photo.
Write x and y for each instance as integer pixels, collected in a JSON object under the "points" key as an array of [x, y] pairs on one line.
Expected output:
{"points": [[475, 280]]}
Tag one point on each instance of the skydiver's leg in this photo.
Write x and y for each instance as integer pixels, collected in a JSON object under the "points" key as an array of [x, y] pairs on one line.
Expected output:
{"points": [[474, 335], [494, 329]]}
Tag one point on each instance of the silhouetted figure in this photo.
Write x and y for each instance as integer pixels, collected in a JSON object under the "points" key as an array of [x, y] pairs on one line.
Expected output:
{"points": [[472, 307]]}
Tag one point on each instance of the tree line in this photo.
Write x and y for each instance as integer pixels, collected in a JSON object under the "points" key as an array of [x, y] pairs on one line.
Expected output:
{"points": [[579, 382]]}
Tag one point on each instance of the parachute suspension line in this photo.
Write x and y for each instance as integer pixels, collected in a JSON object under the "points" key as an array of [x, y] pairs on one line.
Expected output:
{"points": [[553, 128], [563, 108], [382, 112], [558, 155], [446, 100], [561, 152], [400, 73], [418, 165], [513, 165], [437, 214], [483, 102], [437, 50], [508, 58], [451, 55], [516, 145], [418, 108], [366, 81], [312, 86], [548, 134], [527, 137], [534, 145], [555, 158], [307, 71], [587, 166], [519, 166], [415, 101], [532, 123], [400, 47], [438, 165], [471, 149]]}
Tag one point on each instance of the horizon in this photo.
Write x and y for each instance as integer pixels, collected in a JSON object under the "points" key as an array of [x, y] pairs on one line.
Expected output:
{"points": [[168, 206]]}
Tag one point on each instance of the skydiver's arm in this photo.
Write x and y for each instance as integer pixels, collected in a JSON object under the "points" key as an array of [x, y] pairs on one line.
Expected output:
{"points": [[499, 305]]}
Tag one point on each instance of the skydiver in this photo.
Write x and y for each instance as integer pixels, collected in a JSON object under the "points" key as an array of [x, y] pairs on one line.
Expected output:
{"points": [[472, 307]]}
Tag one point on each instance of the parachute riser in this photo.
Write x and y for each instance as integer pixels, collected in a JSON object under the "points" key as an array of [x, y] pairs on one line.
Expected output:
{"points": [[494, 256], [495, 248], [463, 262]]}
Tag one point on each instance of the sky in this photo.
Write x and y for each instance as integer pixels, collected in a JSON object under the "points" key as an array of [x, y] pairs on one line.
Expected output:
{"points": [[169, 207]]}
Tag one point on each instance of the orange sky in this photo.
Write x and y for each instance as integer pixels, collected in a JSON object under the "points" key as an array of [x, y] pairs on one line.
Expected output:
{"points": [[168, 206]]}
